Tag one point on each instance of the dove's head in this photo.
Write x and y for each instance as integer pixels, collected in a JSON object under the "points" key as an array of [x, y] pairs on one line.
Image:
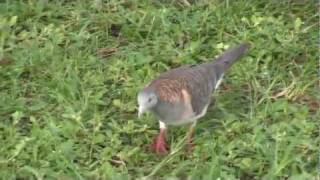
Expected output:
{"points": [[147, 99]]}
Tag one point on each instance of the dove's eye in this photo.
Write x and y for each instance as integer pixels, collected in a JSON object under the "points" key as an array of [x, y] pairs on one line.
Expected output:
{"points": [[149, 100]]}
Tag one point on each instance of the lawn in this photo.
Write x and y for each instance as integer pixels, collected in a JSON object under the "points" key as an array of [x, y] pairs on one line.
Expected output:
{"points": [[70, 72]]}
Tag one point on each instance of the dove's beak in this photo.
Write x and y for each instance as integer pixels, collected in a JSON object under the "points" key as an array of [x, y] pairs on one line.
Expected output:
{"points": [[141, 111]]}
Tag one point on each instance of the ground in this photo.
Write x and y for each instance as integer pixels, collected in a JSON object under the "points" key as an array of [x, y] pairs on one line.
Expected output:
{"points": [[70, 72]]}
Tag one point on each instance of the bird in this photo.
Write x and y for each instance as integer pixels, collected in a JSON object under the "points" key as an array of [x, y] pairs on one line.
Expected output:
{"points": [[182, 95]]}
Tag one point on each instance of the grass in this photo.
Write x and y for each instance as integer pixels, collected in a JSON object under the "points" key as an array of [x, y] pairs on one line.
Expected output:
{"points": [[70, 72]]}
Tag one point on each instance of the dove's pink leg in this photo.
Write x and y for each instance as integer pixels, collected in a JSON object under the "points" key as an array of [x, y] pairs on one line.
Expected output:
{"points": [[190, 135], [159, 143]]}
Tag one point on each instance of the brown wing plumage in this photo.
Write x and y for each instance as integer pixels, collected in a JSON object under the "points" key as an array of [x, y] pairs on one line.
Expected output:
{"points": [[169, 89]]}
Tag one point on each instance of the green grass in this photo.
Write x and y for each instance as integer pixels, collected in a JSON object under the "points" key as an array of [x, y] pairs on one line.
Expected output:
{"points": [[68, 107]]}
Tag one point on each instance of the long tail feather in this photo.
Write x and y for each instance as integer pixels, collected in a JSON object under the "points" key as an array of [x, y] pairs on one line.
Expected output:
{"points": [[231, 55]]}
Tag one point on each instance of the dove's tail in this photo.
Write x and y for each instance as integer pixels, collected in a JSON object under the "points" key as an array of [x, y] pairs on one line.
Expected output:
{"points": [[231, 55], [222, 63]]}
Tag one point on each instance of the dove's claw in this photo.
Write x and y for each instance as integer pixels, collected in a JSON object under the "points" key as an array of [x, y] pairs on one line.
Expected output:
{"points": [[159, 144]]}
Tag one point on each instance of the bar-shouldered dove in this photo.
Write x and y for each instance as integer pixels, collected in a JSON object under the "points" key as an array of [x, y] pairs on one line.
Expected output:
{"points": [[182, 95]]}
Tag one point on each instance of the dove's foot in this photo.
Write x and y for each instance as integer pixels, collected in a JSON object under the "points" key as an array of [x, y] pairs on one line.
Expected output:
{"points": [[159, 144], [190, 145]]}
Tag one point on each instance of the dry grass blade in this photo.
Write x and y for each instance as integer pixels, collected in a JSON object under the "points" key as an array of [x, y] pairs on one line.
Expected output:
{"points": [[106, 52], [5, 62], [284, 92], [117, 162]]}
